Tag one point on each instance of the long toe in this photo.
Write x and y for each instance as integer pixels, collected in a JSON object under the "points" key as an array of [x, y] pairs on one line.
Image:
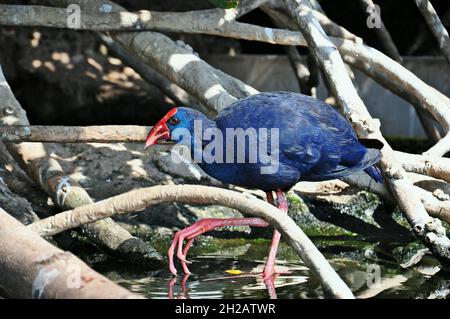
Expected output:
{"points": [[197, 229]]}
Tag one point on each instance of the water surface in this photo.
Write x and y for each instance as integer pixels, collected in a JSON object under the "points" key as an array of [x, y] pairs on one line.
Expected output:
{"points": [[371, 270]]}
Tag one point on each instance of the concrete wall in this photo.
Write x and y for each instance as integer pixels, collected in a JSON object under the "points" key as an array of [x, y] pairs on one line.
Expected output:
{"points": [[398, 118]]}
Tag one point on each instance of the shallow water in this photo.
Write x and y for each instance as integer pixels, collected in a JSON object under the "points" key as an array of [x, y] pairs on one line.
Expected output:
{"points": [[370, 269]]}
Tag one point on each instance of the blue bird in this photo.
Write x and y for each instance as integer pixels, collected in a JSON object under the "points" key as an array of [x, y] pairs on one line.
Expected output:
{"points": [[268, 141]]}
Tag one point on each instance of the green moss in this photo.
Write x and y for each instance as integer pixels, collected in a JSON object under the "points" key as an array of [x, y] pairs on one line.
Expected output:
{"points": [[225, 4]]}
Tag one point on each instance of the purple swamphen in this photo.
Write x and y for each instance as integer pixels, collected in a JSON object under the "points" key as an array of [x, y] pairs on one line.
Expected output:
{"points": [[309, 141]]}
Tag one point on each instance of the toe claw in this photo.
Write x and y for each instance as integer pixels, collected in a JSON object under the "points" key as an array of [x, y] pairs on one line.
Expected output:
{"points": [[183, 259], [173, 269], [200, 227]]}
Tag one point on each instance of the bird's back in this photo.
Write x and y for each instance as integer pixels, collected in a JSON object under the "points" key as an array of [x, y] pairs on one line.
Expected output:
{"points": [[315, 142]]}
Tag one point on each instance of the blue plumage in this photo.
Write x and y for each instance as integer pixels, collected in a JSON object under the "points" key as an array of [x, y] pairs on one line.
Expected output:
{"points": [[315, 142]]}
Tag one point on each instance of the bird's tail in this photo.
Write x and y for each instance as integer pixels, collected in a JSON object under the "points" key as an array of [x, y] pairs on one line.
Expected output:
{"points": [[375, 173], [374, 147]]}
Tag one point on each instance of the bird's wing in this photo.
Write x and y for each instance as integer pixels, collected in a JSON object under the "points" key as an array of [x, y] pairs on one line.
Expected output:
{"points": [[322, 143]]}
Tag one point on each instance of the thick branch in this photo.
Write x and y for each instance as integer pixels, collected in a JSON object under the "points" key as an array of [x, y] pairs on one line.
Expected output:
{"points": [[177, 62], [30, 267], [139, 199], [212, 22], [174, 92], [440, 148], [438, 167], [74, 134], [399, 80], [346, 95], [436, 26]]}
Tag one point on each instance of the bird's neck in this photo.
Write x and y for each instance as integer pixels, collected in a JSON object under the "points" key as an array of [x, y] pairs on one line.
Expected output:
{"points": [[202, 132]]}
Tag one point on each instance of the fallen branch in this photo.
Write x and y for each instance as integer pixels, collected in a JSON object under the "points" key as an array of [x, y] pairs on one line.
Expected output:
{"points": [[426, 228], [67, 194], [139, 199], [31, 267], [436, 26]]}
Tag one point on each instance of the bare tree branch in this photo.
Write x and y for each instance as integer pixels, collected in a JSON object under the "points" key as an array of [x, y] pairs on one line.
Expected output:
{"points": [[139, 199], [33, 268], [437, 167], [384, 37], [74, 134], [436, 207], [177, 94], [391, 75], [436, 26], [177, 62], [49, 175], [212, 22], [426, 228], [388, 73], [330, 27], [386, 41]]}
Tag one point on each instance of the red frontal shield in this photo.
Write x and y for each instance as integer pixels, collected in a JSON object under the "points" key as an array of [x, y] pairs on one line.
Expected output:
{"points": [[160, 132]]}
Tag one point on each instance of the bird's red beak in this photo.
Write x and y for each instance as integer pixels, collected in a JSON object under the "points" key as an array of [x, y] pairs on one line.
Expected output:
{"points": [[160, 132]]}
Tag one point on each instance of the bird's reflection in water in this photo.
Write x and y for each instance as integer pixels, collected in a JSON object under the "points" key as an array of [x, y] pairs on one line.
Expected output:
{"points": [[183, 294], [269, 282], [270, 286]]}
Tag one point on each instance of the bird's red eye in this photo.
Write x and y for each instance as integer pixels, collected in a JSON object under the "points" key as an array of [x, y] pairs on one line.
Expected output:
{"points": [[174, 121]]}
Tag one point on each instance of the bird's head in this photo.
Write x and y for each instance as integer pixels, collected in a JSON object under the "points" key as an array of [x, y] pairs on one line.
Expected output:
{"points": [[177, 118]]}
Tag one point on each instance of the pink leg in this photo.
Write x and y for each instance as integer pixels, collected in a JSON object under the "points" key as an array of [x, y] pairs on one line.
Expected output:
{"points": [[199, 228], [185, 251], [269, 268], [171, 284], [184, 294], [270, 286]]}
